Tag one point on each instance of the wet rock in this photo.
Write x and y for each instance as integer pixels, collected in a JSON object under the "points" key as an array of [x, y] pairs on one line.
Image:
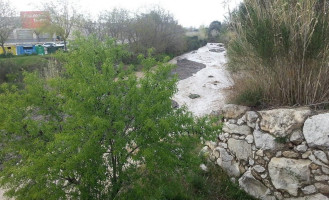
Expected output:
{"points": [[316, 131], [289, 174], [281, 122]]}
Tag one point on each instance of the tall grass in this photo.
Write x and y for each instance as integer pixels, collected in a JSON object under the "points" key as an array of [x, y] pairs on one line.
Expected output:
{"points": [[283, 47]]}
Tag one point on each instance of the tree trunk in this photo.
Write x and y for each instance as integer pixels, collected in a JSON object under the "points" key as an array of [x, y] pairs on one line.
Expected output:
{"points": [[3, 49], [65, 49]]}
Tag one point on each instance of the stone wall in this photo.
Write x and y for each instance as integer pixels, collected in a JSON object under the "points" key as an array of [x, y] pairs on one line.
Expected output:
{"points": [[275, 154]]}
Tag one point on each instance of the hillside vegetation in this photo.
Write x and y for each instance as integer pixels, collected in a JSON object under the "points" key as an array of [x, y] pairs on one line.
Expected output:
{"points": [[282, 48]]}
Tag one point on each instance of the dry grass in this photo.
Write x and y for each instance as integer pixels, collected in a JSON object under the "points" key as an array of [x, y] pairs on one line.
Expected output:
{"points": [[284, 47]]}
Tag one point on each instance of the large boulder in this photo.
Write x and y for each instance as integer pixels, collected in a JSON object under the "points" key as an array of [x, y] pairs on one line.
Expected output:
{"points": [[265, 141], [289, 174], [281, 122], [253, 187], [233, 128], [240, 148], [227, 162], [231, 111], [316, 131], [312, 197]]}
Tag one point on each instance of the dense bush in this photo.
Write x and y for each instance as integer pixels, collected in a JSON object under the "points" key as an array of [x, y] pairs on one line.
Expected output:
{"points": [[284, 47], [96, 131], [194, 43]]}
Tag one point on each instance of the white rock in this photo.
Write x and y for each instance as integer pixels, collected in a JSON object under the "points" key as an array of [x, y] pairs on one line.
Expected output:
{"points": [[263, 175], [322, 178], [259, 168], [222, 144], [251, 161], [278, 154], [252, 186], [325, 170], [281, 122], [232, 111], [311, 197], [251, 118], [301, 148], [310, 189], [204, 167], [228, 164], [227, 135], [316, 131], [316, 161], [250, 139], [221, 137], [232, 121], [236, 129], [242, 120], [242, 137], [321, 156], [265, 141], [240, 148], [297, 137], [289, 174]]}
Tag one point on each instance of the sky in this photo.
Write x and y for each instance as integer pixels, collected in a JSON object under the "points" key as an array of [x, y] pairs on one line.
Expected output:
{"points": [[189, 13]]}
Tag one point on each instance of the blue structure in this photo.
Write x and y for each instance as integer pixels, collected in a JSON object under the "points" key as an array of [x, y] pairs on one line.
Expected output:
{"points": [[26, 49]]}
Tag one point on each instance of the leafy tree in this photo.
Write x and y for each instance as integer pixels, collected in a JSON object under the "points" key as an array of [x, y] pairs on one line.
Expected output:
{"points": [[61, 17], [214, 30], [96, 131], [8, 22]]}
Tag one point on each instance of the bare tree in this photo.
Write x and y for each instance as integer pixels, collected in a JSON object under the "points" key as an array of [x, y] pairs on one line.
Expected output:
{"points": [[8, 22], [63, 17]]}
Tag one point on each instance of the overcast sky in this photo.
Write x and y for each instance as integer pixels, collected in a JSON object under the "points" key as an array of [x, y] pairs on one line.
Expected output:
{"points": [[187, 12]]}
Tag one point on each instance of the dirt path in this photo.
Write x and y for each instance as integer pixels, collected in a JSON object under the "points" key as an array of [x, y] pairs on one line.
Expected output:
{"points": [[209, 82]]}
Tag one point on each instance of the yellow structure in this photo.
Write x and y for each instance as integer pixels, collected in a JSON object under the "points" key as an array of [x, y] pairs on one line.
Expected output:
{"points": [[9, 49]]}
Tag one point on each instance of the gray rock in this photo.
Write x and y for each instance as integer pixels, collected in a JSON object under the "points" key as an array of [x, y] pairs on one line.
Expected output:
{"points": [[323, 188], [252, 186], [212, 145], [289, 174], [236, 129], [310, 189], [311, 197], [251, 161], [260, 152], [242, 120], [228, 164], [251, 118], [325, 170], [321, 156], [297, 137], [222, 145], [249, 139], [232, 111], [240, 148], [263, 176], [259, 168], [302, 148], [278, 154], [281, 122], [316, 131], [316, 161], [322, 178], [194, 96], [265, 141]]}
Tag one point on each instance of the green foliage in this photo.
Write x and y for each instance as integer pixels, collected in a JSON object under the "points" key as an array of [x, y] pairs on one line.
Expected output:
{"points": [[96, 131], [281, 140], [252, 97], [194, 43]]}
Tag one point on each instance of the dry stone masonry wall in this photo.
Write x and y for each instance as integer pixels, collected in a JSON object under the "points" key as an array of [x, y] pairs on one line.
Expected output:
{"points": [[275, 154]]}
